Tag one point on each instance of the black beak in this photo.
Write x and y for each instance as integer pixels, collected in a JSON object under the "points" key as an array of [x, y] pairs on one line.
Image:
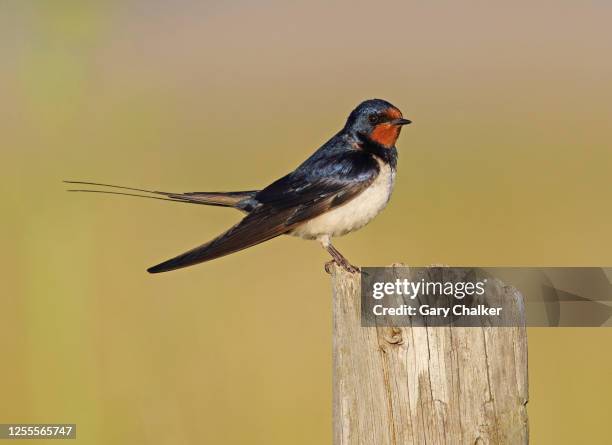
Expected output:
{"points": [[401, 121]]}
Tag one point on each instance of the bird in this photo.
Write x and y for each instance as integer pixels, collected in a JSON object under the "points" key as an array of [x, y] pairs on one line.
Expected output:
{"points": [[340, 188]]}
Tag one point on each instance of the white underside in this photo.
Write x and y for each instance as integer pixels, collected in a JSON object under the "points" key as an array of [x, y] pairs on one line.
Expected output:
{"points": [[354, 214]]}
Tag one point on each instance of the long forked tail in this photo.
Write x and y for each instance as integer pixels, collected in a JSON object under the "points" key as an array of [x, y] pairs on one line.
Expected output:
{"points": [[243, 200]]}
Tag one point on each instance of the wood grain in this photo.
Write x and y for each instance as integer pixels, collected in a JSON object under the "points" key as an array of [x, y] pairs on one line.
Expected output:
{"points": [[426, 385]]}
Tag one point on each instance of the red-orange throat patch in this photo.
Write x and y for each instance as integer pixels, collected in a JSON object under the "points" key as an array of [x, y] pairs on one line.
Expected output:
{"points": [[385, 134]]}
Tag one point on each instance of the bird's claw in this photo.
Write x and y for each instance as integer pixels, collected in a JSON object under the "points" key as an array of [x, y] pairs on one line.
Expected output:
{"points": [[350, 268], [343, 264]]}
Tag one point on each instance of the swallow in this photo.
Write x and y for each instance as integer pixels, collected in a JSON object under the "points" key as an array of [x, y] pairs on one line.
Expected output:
{"points": [[340, 188]]}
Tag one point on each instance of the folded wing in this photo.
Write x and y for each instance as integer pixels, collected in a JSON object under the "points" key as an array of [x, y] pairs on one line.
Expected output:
{"points": [[283, 205]]}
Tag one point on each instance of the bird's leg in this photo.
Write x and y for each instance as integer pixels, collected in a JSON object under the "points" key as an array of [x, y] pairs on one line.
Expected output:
{"points": [[338, 258], [341, 260]]}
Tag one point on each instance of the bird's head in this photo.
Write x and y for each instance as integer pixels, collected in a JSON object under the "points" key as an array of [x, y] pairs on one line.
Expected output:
{"points": [[376, 120]]}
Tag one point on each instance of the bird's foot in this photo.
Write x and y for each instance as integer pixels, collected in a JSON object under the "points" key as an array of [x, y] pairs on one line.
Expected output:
{"points": [[349, 267], [338, 258], [342, 263]]}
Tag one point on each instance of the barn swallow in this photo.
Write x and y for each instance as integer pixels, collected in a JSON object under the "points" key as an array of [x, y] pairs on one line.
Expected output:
{"points": [[337, 190]]}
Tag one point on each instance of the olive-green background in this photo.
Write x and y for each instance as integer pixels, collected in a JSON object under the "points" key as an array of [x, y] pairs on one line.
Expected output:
{"points": [[507, 163]]}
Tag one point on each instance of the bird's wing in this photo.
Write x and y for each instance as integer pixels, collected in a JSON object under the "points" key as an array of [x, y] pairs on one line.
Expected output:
{"points": [[292, 200]]}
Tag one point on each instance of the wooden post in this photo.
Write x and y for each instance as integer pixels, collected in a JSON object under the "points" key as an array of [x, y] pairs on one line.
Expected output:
{"points": [[426, 385]]}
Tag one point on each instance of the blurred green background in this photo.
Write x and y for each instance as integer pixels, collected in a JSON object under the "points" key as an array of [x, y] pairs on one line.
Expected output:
{"points": [[507, 163]]}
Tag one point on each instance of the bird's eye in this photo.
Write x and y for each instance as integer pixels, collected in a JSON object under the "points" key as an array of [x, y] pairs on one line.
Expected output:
{"points": [[373, 118]]}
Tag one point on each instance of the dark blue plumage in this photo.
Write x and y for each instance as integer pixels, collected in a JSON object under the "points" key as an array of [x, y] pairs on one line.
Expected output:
{"points": [[339, 188]]}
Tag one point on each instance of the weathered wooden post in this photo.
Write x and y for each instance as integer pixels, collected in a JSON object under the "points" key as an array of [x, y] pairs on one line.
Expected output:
{"points": [[426, 385]]}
